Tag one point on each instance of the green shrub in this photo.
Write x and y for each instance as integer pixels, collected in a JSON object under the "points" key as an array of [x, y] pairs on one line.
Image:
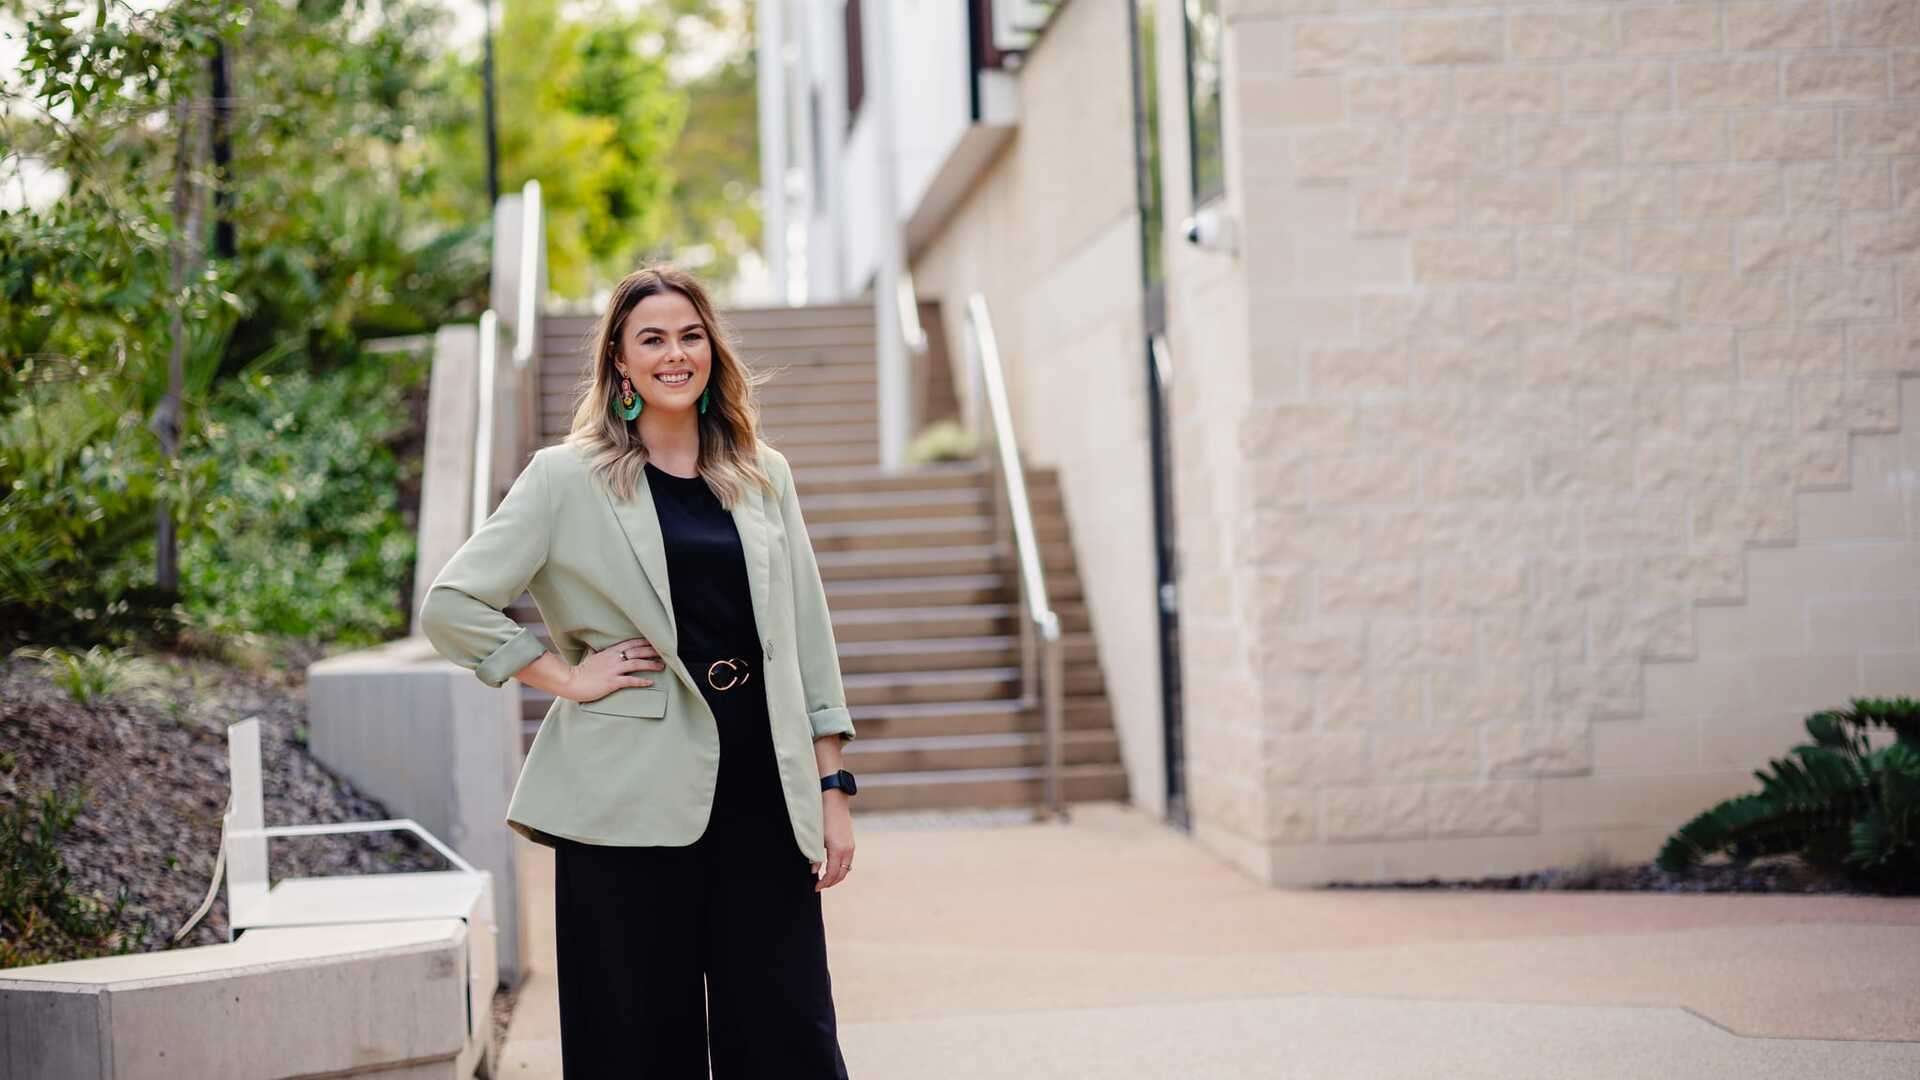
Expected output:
{"points": [[301, 534], [942, 440], [89, 676], [1839, 803], [43, 919], [81, 486]]}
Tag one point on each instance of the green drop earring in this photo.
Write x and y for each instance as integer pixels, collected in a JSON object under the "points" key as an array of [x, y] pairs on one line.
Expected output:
{"points": [[630, 403], [703, 399]]}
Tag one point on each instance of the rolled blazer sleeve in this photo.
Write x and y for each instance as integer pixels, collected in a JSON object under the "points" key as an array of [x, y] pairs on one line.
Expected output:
{"points": [[819, 656], [463, 614]]}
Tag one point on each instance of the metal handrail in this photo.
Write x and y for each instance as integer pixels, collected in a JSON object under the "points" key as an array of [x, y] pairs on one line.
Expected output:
{"points": [[914, 334], [483, 422], [1040, 620], [340, 827], [525, 348], [531, 247]]}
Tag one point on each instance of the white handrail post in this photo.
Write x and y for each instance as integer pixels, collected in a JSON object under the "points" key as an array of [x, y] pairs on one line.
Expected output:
{"points": [[483, 421], [246, 847]]}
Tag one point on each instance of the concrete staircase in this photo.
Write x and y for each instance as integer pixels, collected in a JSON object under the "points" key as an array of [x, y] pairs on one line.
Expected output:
{"points": [[923, 594]]}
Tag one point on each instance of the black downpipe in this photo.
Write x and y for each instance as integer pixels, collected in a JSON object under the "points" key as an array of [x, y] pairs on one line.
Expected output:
{"points": [[1159, 440], [223, 238], [493, 137]]}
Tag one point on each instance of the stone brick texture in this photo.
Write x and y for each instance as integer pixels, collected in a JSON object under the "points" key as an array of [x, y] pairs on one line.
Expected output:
{"points": [[1557, 315]]}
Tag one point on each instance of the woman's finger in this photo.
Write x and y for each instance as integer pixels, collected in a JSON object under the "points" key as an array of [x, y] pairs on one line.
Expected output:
{"points": [[835, 872]]}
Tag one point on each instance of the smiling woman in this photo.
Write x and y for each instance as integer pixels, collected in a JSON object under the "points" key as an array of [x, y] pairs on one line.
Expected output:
{"points": [[666, 539], [660, 347]]}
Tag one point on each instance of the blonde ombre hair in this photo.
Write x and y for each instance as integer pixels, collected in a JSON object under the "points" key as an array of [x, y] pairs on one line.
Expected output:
{"points": [[729, 429]]}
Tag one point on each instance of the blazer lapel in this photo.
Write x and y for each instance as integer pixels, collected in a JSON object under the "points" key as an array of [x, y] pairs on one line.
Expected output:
{"points": [[640, 522], [750, 518]]}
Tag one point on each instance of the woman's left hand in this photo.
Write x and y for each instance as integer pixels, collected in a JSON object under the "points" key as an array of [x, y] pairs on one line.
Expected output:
{"points": [[837, 818]]}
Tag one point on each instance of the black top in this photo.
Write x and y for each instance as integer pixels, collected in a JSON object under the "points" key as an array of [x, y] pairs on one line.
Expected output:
{"points": [[712, 603], [713, 612]]}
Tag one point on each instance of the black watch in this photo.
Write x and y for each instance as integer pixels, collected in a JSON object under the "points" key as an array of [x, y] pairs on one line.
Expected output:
{"points": [[842, 780]]}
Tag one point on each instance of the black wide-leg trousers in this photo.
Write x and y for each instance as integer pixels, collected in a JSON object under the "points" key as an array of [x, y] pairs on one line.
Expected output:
{"points": [[669, 956]]}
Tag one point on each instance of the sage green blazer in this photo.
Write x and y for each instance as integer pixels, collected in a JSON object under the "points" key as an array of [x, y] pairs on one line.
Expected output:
{"points": [[638, 766]]}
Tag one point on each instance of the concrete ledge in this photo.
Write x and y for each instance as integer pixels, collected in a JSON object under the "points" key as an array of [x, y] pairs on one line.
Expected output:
{"points": [[388, 998], [422, 735]]}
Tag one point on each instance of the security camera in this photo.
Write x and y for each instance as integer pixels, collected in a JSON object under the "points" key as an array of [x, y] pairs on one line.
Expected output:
{"points": [[1211, 228]]}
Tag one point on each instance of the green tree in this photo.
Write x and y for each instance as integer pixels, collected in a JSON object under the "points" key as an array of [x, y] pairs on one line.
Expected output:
{"points": [[716, 208], [329, 197], [584, 105]]}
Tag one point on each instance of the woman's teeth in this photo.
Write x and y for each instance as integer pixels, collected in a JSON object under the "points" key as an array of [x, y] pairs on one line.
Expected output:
{"points": [[675, 380]]}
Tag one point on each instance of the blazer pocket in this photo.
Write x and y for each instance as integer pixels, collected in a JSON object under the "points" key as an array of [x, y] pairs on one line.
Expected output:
{"points": [[646, 701]]}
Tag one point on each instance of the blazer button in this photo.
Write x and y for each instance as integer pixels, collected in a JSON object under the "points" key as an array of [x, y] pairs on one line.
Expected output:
{"points": [[769, 648]]}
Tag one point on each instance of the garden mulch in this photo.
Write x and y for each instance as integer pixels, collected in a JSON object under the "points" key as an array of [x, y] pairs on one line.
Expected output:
{"points": [[1776, 875], [151, 762]]}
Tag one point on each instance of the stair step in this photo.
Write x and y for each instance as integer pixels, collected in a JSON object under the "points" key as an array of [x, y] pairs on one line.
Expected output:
{"points": [[898, 533], [957, 620], [1007, 750], [811, 366], [1056, 559], [919, 591], [823, 508], [851, 453], [1022, 786], [918, 532], [992, 588], [788, 438], [807, 415], [911, 562], [963, 684], [1049, 516], [903, 718], [951, 653], [840, 479], [791, 393]]}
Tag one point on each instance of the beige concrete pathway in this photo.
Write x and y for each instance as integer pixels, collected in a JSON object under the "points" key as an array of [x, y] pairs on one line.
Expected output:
{"points": [[1115, 947]]}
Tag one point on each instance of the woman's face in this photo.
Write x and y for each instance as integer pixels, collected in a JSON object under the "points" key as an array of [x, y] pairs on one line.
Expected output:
{"points": [[661, 341]]}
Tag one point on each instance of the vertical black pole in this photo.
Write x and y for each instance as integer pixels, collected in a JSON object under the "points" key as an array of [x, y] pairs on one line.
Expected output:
{"points": [[223, 241], [493, 138]]}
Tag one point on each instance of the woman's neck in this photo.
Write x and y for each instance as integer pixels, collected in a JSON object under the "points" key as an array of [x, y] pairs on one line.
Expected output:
{"points": [[672, 440]]}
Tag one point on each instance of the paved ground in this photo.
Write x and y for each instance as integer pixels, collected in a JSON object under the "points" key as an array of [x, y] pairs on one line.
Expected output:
{"points": [[1116, 947]]}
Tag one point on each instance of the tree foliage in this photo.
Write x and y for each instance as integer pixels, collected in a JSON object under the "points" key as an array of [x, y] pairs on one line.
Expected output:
{"points": [[326, 194], [354, 196], [584, 106]]}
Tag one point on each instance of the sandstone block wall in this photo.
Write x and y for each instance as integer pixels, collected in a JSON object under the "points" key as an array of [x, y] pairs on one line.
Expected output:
{"points": [[1561, 319]]}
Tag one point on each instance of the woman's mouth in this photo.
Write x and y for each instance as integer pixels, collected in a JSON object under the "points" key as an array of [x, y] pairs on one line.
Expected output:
{"points": [[677, 378]]}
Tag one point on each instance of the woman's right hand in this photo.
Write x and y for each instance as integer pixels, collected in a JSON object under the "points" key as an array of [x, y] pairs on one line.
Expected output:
{"points": [[601, 673]]}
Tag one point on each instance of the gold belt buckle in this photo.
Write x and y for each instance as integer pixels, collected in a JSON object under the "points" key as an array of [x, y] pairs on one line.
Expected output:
{"points": [[730, 664]]}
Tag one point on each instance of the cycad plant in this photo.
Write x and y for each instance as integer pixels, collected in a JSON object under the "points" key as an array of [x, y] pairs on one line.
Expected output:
{"points": [[1840, 803]]}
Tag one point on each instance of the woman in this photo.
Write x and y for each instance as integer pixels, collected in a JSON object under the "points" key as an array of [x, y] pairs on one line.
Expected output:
{"points": [[663, 536]]}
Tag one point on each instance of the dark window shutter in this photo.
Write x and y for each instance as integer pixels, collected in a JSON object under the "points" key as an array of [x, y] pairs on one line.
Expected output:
{"points": [[856, 63]]}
